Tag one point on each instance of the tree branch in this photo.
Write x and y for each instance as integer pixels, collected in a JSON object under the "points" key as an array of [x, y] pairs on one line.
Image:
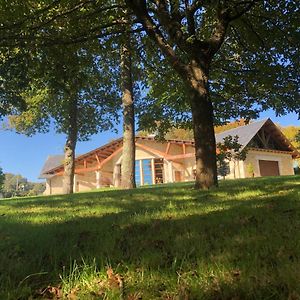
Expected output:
{"points": [[249, 5], [190, 18], [140, 9]]}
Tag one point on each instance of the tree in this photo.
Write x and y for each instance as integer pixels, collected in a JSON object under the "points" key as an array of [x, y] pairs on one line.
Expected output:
{"points": [[68, 86], [43, 25], [128, 153], [229, 150], [231, 125], [221, 52], [19, 186], [292, 134], [223, 167]]}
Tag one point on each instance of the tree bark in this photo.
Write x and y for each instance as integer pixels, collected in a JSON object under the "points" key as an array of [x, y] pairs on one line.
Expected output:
{"points": [[128, 154], [205, 142], [194, 74], [69, 150], [203, 126]]}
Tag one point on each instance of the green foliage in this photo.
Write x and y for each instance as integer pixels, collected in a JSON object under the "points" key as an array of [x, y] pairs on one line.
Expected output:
{"points": [[18, 186], [223, 167], [55, 48], [250, 169], [60, 77], [13, 80], [264, 40], [168, 241], [261, 41], [227, 151], [297, 137], [293, 135], [230, 125]]}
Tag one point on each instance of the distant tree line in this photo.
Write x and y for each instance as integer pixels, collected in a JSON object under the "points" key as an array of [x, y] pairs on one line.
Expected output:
{"points": [[12, 185]]}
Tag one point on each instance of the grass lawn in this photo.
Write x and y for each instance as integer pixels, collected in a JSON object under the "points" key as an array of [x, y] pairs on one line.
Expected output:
{"points": [[240, 241]]}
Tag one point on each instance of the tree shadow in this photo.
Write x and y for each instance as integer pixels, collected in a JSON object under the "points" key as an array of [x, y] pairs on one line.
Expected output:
{"points": [[214, 248]]}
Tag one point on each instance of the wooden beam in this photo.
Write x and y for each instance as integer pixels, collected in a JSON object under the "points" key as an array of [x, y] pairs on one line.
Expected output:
{"points": [[151, 150], [272, 150], [110, 157], [181, 156], [85, 170], [168, 148], [85, 164], [263, 141], [97, 158], [107, 152], [95, 168], [183, 148]]}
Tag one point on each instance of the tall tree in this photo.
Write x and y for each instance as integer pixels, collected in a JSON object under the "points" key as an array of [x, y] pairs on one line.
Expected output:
{"points": [[69, 87], [128, 153], [190, 34]]}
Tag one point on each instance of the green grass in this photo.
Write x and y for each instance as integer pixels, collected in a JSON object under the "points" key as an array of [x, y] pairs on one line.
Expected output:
{"points": [[240, 241]]}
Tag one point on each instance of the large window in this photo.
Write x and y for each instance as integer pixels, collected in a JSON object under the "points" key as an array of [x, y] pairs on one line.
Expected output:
{"points": [[148, 171]]}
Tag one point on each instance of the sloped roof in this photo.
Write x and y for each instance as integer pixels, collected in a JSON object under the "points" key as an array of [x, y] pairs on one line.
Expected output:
{"points": [[52, 162], [245, 133], [103, 152]]}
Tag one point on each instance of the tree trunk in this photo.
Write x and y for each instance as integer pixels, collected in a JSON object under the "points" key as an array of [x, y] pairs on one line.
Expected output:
{"points": [[128, 155], [204, 136], [69, 161]]}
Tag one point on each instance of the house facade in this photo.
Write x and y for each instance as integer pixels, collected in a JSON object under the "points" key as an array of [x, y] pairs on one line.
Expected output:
{"points": [[269, 153]]}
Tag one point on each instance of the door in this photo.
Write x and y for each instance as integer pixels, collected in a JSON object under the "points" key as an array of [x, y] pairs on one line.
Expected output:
{"points": [[178, 176], [269, 168]]}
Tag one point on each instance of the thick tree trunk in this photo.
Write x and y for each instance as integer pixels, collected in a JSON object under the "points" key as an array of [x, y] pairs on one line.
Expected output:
{"points": [[69, 161], [128, 155], [203, 126]]}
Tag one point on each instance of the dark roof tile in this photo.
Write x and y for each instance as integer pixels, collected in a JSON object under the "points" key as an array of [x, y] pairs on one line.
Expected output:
{"points": [[52, 162]]}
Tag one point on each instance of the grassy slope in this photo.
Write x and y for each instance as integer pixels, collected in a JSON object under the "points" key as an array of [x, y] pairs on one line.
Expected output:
{"points": [[241, 241]]}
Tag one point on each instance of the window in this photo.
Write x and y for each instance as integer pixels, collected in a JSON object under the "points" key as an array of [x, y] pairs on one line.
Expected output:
{"points": [[147, 171], [137, 172]]}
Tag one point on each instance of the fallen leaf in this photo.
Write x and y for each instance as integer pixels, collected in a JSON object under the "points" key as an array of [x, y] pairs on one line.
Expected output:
{"points": [[115, 280]]}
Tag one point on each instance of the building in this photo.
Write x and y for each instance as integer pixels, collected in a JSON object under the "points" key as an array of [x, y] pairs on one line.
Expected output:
{"points": [[269, 153]]}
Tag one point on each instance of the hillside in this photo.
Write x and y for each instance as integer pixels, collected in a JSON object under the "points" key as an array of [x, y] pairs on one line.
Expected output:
{"points": [[240, 241]]}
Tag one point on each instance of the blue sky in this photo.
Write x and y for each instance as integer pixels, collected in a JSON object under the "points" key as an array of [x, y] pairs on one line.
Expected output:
{"points": [[26, 155]]}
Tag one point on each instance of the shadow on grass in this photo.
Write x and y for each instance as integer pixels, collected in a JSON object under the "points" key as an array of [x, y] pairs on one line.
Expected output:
{"points": [[216, 248]]}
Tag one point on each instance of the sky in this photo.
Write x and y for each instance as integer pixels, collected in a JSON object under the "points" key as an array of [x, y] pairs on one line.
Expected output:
{"points": [[26, 155]]}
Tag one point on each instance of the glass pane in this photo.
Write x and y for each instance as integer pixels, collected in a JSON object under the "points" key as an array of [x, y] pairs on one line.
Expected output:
{"points": [[137, 172], [147, 171]]}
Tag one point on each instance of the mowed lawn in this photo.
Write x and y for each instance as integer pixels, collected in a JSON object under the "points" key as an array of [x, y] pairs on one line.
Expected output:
{"points": [[240, 241]]}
